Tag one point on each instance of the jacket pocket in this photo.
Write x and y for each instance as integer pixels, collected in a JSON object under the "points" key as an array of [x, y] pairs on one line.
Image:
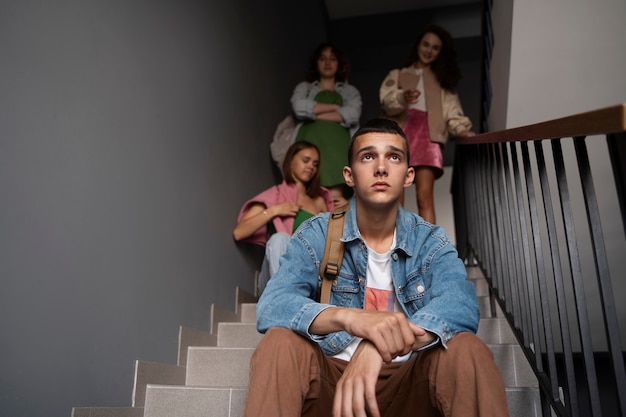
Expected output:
{"points": [[415, 291], [346, 284]]}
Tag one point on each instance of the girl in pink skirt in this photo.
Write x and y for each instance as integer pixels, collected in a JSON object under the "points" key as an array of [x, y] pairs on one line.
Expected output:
{"points": [[422, 98]]}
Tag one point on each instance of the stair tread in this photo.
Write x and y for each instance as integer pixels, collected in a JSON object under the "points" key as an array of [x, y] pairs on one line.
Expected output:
{"points": [[154, 372], [107, 412], [176, 401]]}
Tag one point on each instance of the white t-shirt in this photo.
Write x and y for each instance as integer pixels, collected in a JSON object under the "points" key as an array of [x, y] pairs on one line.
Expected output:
{"points": [[379, 294], [420, 104]]}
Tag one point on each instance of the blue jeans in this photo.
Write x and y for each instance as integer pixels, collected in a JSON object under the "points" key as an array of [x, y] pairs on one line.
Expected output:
{"points": [[274, 249]]}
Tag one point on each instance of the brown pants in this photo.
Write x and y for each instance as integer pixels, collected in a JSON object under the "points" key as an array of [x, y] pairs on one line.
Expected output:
{"points": [[290, 376]]}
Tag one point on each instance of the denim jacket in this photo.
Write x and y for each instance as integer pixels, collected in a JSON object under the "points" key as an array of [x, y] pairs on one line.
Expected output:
{"points": [[429, 278]]}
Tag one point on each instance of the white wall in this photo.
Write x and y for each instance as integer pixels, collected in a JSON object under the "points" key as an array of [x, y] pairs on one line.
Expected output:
{"points": [[566, 58], [502, 18], [130, 134]]}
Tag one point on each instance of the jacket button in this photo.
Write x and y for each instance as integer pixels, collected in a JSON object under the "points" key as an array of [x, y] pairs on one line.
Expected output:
{"points": [[420, 289], [394, 256]]}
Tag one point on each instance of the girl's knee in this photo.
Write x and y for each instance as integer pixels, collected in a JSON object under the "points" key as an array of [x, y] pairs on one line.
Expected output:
{"points": [[278, 240]]}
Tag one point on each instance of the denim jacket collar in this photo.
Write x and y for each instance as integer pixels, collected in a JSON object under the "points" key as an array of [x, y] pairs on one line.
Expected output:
{"points": [[404, 224]]}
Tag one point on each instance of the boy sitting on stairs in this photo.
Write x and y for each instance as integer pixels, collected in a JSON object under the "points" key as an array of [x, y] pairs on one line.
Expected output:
{"points": [[398, 336]]}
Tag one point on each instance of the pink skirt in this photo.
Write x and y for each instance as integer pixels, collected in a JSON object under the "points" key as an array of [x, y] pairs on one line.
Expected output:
{"points": [[424, 152]]}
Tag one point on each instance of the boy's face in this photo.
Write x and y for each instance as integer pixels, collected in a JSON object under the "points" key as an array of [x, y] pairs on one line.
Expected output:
{"points": [[337, 196], [380, 171]]}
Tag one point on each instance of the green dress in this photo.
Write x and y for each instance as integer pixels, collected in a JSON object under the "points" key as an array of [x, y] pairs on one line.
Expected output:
{"points": [[331, 138]]}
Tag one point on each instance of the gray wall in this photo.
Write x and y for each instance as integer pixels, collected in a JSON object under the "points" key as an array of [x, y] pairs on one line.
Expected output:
{"points": [[130, 134]]}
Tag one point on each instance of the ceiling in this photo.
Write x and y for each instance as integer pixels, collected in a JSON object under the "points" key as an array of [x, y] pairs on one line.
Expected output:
{"points": [[339, 9]]}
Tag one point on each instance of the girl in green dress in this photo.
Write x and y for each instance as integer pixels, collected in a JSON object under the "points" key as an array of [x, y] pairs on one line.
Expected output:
{"points": [[328, 111]]}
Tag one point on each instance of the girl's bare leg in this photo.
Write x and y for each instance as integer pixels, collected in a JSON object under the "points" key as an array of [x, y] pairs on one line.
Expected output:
{"points": [[424, 192]]}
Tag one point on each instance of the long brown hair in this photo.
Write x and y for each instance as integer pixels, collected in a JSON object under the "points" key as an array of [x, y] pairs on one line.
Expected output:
{"points": [[445, 67], [313, 186]]}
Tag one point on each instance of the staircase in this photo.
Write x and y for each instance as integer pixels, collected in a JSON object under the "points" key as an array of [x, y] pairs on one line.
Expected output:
{"points": [[212, 373]]}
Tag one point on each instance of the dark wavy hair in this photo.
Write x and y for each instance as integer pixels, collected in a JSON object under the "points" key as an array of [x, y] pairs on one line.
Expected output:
{"points": [[343, 67], [445, 67], [313, 186]]}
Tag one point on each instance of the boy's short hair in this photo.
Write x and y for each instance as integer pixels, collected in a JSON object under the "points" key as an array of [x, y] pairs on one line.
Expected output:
{"points": [[378, 126]]}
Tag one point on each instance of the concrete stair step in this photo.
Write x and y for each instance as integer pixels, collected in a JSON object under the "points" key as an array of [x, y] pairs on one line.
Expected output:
{"points": [[154, 373], [107, 412], [490, 330], [523, 402], [247, 312], [173, 401], [242, 296], [474, 272], [188, 336], [515, 369], [480, 286], [484, 305], [218, 366], [238, 335], [229, 367], [495, 331], [221, 315]]}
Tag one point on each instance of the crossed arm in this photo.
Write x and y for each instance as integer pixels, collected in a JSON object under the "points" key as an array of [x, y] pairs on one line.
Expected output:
{"points": [[305, 107], [385, 336]]}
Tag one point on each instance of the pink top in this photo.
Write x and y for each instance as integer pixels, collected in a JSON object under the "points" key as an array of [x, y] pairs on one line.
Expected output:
{"points": [[274, 195]]}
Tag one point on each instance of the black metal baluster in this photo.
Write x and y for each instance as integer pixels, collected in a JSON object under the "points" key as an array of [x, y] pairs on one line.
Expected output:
{"points": [[555, 256], [543, 290], [525, 269], [602, 267], [505, 238], [577, 279], [512, 240], [617, 152], [499, 227]]}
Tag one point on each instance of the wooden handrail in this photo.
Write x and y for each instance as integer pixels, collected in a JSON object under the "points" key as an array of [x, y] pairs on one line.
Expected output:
{"points": [[597, 122]]}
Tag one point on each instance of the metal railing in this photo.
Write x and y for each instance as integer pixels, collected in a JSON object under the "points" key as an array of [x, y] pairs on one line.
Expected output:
{"points": [[527, 211]]}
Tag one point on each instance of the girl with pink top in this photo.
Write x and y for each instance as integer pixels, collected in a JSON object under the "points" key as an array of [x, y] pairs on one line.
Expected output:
{"points": [[270, 218]]}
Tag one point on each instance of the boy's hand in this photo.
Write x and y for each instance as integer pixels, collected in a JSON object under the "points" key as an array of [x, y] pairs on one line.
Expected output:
{"points": [[356, 389], [391, 333], [423, 340]]}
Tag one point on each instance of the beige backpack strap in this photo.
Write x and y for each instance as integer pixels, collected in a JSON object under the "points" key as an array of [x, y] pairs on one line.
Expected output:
{"points": [[333, 251]]}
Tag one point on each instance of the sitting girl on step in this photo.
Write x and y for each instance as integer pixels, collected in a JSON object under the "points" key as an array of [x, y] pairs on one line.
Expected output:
{"points": [[271, 217]]}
